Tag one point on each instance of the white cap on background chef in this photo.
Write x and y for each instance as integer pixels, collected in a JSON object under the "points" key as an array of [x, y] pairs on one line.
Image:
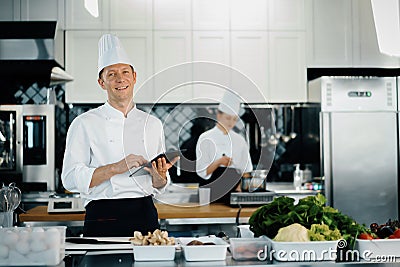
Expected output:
{"points": [[230, 104]]}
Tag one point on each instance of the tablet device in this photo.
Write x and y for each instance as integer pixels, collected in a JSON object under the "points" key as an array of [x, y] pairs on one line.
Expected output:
{"points": [[170, 155]]}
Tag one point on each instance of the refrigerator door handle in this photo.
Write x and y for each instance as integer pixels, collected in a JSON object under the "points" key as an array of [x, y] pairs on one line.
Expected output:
{"points": [[326, 155]]}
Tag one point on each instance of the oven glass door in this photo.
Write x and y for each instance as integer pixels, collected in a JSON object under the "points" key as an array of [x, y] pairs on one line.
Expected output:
{"points": [[7, 140], [35, 140]]}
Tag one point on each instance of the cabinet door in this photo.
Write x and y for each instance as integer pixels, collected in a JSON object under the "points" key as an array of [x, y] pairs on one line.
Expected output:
{"points": [[365, 44], [78, 18], [43, 10], [249, 15], [249, 56], [212, 47], [331, 41], [210, 15], [138, 45], [171, 49], [10, 10], [81, 62], [172, 14], [287, 67], [131, 15], [286, 14]]}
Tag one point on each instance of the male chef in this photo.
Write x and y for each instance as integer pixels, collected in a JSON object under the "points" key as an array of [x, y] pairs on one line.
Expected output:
{"points": [[105, 143]]}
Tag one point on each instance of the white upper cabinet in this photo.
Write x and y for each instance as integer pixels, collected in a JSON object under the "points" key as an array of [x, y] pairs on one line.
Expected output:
{"points": [[82, 56], [249, 56], [78, 18], [81, 62], [287, 65], [172, 14], [365, 44], [331, 38], [131, 15], [247, 15], [212, 47], [43, 10], [210, 14], [138, 45], [286, 15], [31, 10], [171, 50], [10, 10]]}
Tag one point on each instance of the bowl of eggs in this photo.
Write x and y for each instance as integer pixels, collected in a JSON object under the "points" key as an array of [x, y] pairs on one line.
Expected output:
{"points": [[32, 246]]}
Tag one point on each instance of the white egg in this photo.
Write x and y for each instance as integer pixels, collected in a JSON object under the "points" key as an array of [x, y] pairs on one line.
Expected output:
{"points": [[10, 238], [38, 246], [17, 257], [53, 237], [24, 235], [36, 257], [23, 247], [3, 251], [37, 233], [51, 256]]}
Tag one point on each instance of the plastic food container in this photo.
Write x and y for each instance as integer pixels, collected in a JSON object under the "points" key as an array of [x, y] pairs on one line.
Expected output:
{"points": [[378, 248], [32, 246], [303, 251], [154, 253], [248, 248], [215, 252]]}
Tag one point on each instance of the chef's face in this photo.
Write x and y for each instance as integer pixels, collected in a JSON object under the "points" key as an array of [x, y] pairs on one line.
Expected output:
{"points": [[118, 80], [226, 121]]}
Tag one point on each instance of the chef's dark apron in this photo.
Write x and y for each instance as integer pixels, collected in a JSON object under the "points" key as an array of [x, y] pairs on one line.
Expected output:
{"points": [[120, 217], [222, 182]]}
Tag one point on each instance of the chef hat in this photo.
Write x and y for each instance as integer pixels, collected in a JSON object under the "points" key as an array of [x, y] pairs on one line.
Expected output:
{"points": [[230, 104], [111, 52]]}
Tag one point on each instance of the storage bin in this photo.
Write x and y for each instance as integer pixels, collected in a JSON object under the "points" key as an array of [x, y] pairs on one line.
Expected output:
{"points": [[154, 253], [215, 252], [248, 248], [32, 246]]}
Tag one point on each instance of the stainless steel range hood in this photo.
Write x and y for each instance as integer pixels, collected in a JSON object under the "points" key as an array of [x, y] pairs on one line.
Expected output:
{"points": [[32, 50]]}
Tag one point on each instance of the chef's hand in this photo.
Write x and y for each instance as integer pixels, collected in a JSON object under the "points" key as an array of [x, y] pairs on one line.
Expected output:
{"points": [[158, 171], [225, 161], [129, 162], [105, 172]]}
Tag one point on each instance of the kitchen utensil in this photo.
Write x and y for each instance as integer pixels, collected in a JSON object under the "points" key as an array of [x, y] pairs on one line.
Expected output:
{"points": [[13, 196], [292, 133], [254, 181], [273, 139], [285, 137], [4, 205]]}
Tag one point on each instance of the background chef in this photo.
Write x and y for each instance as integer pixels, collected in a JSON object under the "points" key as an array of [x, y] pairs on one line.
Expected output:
{"points": [[222, 154], [102, 146]]}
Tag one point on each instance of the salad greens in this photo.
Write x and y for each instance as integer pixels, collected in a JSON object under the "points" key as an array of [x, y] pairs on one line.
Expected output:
{"points": [[282, 211]]}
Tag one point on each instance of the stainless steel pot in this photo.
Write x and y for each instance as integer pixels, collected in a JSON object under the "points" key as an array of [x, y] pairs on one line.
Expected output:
{"points": [[254, 181]]}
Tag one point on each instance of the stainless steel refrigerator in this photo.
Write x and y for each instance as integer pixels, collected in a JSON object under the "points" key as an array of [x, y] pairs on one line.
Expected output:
{"points": [[359, 145]]}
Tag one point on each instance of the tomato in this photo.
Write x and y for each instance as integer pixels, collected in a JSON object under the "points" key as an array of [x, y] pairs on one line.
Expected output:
{"points": [[392, 237], [397, 233], [365, 236]]}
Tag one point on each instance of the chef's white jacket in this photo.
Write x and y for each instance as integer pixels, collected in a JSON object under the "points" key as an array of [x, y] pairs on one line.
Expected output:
{"points": [[102, 136], [213, 144]]}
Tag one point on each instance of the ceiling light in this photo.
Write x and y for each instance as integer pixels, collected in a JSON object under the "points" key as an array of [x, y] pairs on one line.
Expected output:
{"points": [[92, 6], [387, 25]]}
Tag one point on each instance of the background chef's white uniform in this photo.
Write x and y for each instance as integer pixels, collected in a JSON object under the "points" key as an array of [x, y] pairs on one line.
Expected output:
{"points": [[102, 136], [213, 143]]}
